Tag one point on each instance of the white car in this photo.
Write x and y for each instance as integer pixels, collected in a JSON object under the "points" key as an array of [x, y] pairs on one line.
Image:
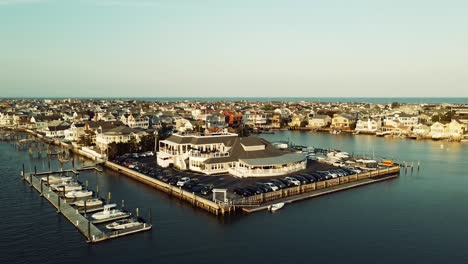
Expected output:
{"points": [[272, 186], [149, 153], [293, 181], [183, 181]]}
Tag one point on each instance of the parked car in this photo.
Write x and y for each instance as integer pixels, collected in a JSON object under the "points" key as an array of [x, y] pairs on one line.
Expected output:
{"points": [[309, 178], [207, 189], [174, 180], [242, 192], [294, 181], [272, 186], [278, 183], [286, 182], [190, 184], [264, 188], [183, 181], [300, 178], [254, 190]]}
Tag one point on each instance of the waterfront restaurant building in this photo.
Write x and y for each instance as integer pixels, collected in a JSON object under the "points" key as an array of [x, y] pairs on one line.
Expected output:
{"points": [[228, 153]]}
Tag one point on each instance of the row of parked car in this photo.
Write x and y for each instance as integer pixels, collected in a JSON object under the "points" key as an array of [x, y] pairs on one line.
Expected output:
{"points": [[186, 183], [295, 180]]}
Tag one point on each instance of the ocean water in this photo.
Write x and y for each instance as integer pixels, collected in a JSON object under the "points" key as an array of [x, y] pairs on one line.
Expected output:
{"points": [[380, 100], [420, 217]]}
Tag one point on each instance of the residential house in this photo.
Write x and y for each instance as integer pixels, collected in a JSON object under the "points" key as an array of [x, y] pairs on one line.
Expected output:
{"points": [[120, 134], [74, 132], [319, 121], [343, 121], [368, 125], [298, 120], [403, 119], [56, 129]]}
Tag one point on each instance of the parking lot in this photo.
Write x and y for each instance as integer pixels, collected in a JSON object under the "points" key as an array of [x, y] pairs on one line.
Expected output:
{"points": [[202, 184]]}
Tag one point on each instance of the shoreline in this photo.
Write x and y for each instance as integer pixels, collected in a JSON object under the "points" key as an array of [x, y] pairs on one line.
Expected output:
{"points": [[292, 194]]}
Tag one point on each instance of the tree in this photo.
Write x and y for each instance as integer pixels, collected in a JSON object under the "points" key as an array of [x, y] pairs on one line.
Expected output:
{"points": [[112, 150], [147, 142], [435, 118], [134, 146], [395, 105]]}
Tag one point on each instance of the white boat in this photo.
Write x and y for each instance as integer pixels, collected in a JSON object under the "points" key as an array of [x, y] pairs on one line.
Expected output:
{"points": [[56, 179], [78, 194], [89, 202], [123, 224], [275, 207], [109, 212], [69, 187]]}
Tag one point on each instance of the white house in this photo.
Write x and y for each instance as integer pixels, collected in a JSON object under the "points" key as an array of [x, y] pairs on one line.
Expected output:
{"points": [[368, 126], [56, 129], [75, 131], [227, 153], [401, 119], [319, 121], [117, 134]]}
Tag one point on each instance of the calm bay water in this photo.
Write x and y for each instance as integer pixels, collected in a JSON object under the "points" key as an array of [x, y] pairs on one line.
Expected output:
{"points": [[418, 218]]}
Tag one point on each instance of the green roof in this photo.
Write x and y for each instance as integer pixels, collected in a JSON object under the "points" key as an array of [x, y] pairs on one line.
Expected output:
{"points": [[278, 160]]}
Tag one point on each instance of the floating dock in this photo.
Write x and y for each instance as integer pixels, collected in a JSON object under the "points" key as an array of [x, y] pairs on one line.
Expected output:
{"points": [[85, 226]]}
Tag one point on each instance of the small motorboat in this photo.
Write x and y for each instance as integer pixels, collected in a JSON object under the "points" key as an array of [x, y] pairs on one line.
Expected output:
{"points": [[109, 213], [56, 179], [89, 203], [78, 194], [123, 224], [275, 207], [73, 186]]}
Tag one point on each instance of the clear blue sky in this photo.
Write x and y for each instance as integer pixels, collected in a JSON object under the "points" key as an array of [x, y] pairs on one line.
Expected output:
{"points": [[233, 48]]}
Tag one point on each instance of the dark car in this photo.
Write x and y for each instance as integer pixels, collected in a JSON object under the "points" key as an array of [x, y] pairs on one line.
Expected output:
{"points": [[286, 182], [166, 178], [300, 178], [254, 190], [242, 192], [309, 178], [278, 183], [190, 184], [197, 188], [207, 189], [174, 180], [264, 188]]}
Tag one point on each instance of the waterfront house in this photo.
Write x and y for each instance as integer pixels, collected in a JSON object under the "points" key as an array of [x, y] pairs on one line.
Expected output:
{"points": [[439, 130], [401, 119], [74, 132], [343, 121], [6, 119], [421, 129], [56, 129], [368, 125], [228, 153], [319, 121], [118, 134], [255, 119], [298, 120], [456, 128], [276, 121]]}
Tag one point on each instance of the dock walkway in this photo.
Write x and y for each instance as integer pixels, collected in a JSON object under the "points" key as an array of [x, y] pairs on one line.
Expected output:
{"points": [[316, 193], [90, 231]]}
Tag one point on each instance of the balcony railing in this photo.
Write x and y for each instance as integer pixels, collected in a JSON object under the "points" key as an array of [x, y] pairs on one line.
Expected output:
{"points": [[198, 154], [245, 172]]}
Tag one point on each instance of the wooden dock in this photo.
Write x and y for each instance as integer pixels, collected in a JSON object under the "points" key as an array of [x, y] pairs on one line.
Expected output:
{"points": [[316, 193], [74, 215]]}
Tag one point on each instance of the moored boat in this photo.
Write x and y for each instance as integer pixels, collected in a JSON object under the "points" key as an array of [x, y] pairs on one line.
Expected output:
{"points": [[56, 179], [275, 207], [123, 224], [74, 186], [109, 213], [89, 202], [79, 194]]}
